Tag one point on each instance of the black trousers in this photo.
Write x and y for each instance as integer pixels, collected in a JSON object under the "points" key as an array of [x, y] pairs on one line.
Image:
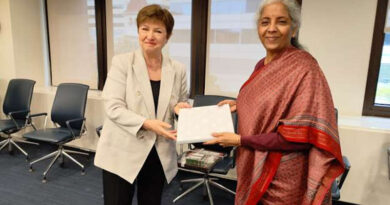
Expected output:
{"points": [[150, 182]]}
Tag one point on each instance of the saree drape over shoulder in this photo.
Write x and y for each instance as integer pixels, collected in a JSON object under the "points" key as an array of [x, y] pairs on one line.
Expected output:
{"points": [[289, 95]]}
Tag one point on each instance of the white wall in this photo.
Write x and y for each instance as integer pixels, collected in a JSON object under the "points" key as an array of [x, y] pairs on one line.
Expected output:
{"points": [[339, 34], [7, 68], [27, 39], [368, 180]]}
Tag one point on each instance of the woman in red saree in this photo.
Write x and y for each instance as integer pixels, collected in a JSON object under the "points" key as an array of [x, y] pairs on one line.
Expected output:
{"points": [[288, 145]]}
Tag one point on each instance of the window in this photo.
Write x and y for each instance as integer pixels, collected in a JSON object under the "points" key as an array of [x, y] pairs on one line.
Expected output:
{"points": [[377, 97], [73, 55], [233, 45], [123, 33], [105, 28], [230, 45]]}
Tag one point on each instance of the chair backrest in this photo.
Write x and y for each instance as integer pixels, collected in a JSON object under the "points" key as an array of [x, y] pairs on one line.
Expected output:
{"points": [[205, 100], [18, 97], [69, 103]]}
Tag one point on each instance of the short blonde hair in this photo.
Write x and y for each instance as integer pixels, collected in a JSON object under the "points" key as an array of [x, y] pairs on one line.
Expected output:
{"points": [[156, 12]]}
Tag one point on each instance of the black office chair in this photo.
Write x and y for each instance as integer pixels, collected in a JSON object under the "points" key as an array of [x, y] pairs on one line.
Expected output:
{"points": [[16, 107], [222, 167], [68, 112], [339, 181]]}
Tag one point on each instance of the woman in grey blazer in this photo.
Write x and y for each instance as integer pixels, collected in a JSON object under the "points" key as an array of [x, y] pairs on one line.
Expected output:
{"points": [[142, 90]]}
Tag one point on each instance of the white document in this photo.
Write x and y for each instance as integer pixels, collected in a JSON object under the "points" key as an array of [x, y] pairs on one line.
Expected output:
{"points": [[198, 123]]}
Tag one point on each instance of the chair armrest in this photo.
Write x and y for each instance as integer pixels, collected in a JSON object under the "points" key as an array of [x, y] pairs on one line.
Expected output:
{"points": [[38, 114], [69, 122], [11, 115]]}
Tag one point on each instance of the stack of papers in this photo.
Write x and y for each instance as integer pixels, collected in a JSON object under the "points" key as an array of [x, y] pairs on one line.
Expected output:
{"points": [[198, 123]]}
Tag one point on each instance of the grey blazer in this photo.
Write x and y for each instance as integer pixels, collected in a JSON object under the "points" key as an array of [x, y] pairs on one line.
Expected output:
{"points": [[128, 101]]}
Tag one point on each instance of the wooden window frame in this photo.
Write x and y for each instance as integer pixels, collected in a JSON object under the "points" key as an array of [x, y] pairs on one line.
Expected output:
{"points": [[199, 26], [370, 108], [101, 38]]}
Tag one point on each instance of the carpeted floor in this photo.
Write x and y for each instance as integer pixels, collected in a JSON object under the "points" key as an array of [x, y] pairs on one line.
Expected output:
{"points": [[66, 186]]}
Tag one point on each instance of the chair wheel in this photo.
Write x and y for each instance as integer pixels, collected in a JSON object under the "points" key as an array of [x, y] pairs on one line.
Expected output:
{"points": [[44, 180], [62, 165], [83, 172], [11, 152], [31, 169]]}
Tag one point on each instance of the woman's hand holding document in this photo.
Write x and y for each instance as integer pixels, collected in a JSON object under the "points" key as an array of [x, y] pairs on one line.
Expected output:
{"points": [[197, 124]]}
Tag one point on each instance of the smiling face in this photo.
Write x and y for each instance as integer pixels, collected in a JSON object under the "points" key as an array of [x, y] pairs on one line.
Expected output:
{"points": [[275, 28], [152, 36]]}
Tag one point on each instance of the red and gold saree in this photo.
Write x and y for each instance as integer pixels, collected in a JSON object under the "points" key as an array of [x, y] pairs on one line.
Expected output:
{"points": [[289, 95]]}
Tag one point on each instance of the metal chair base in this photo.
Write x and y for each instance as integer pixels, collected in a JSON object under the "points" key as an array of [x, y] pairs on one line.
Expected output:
{"points": [[60, 153], [9, 141], [206, 181]]}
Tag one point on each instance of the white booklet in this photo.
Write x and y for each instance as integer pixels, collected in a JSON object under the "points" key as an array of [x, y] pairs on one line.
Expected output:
{"points": [[198, 123]]}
